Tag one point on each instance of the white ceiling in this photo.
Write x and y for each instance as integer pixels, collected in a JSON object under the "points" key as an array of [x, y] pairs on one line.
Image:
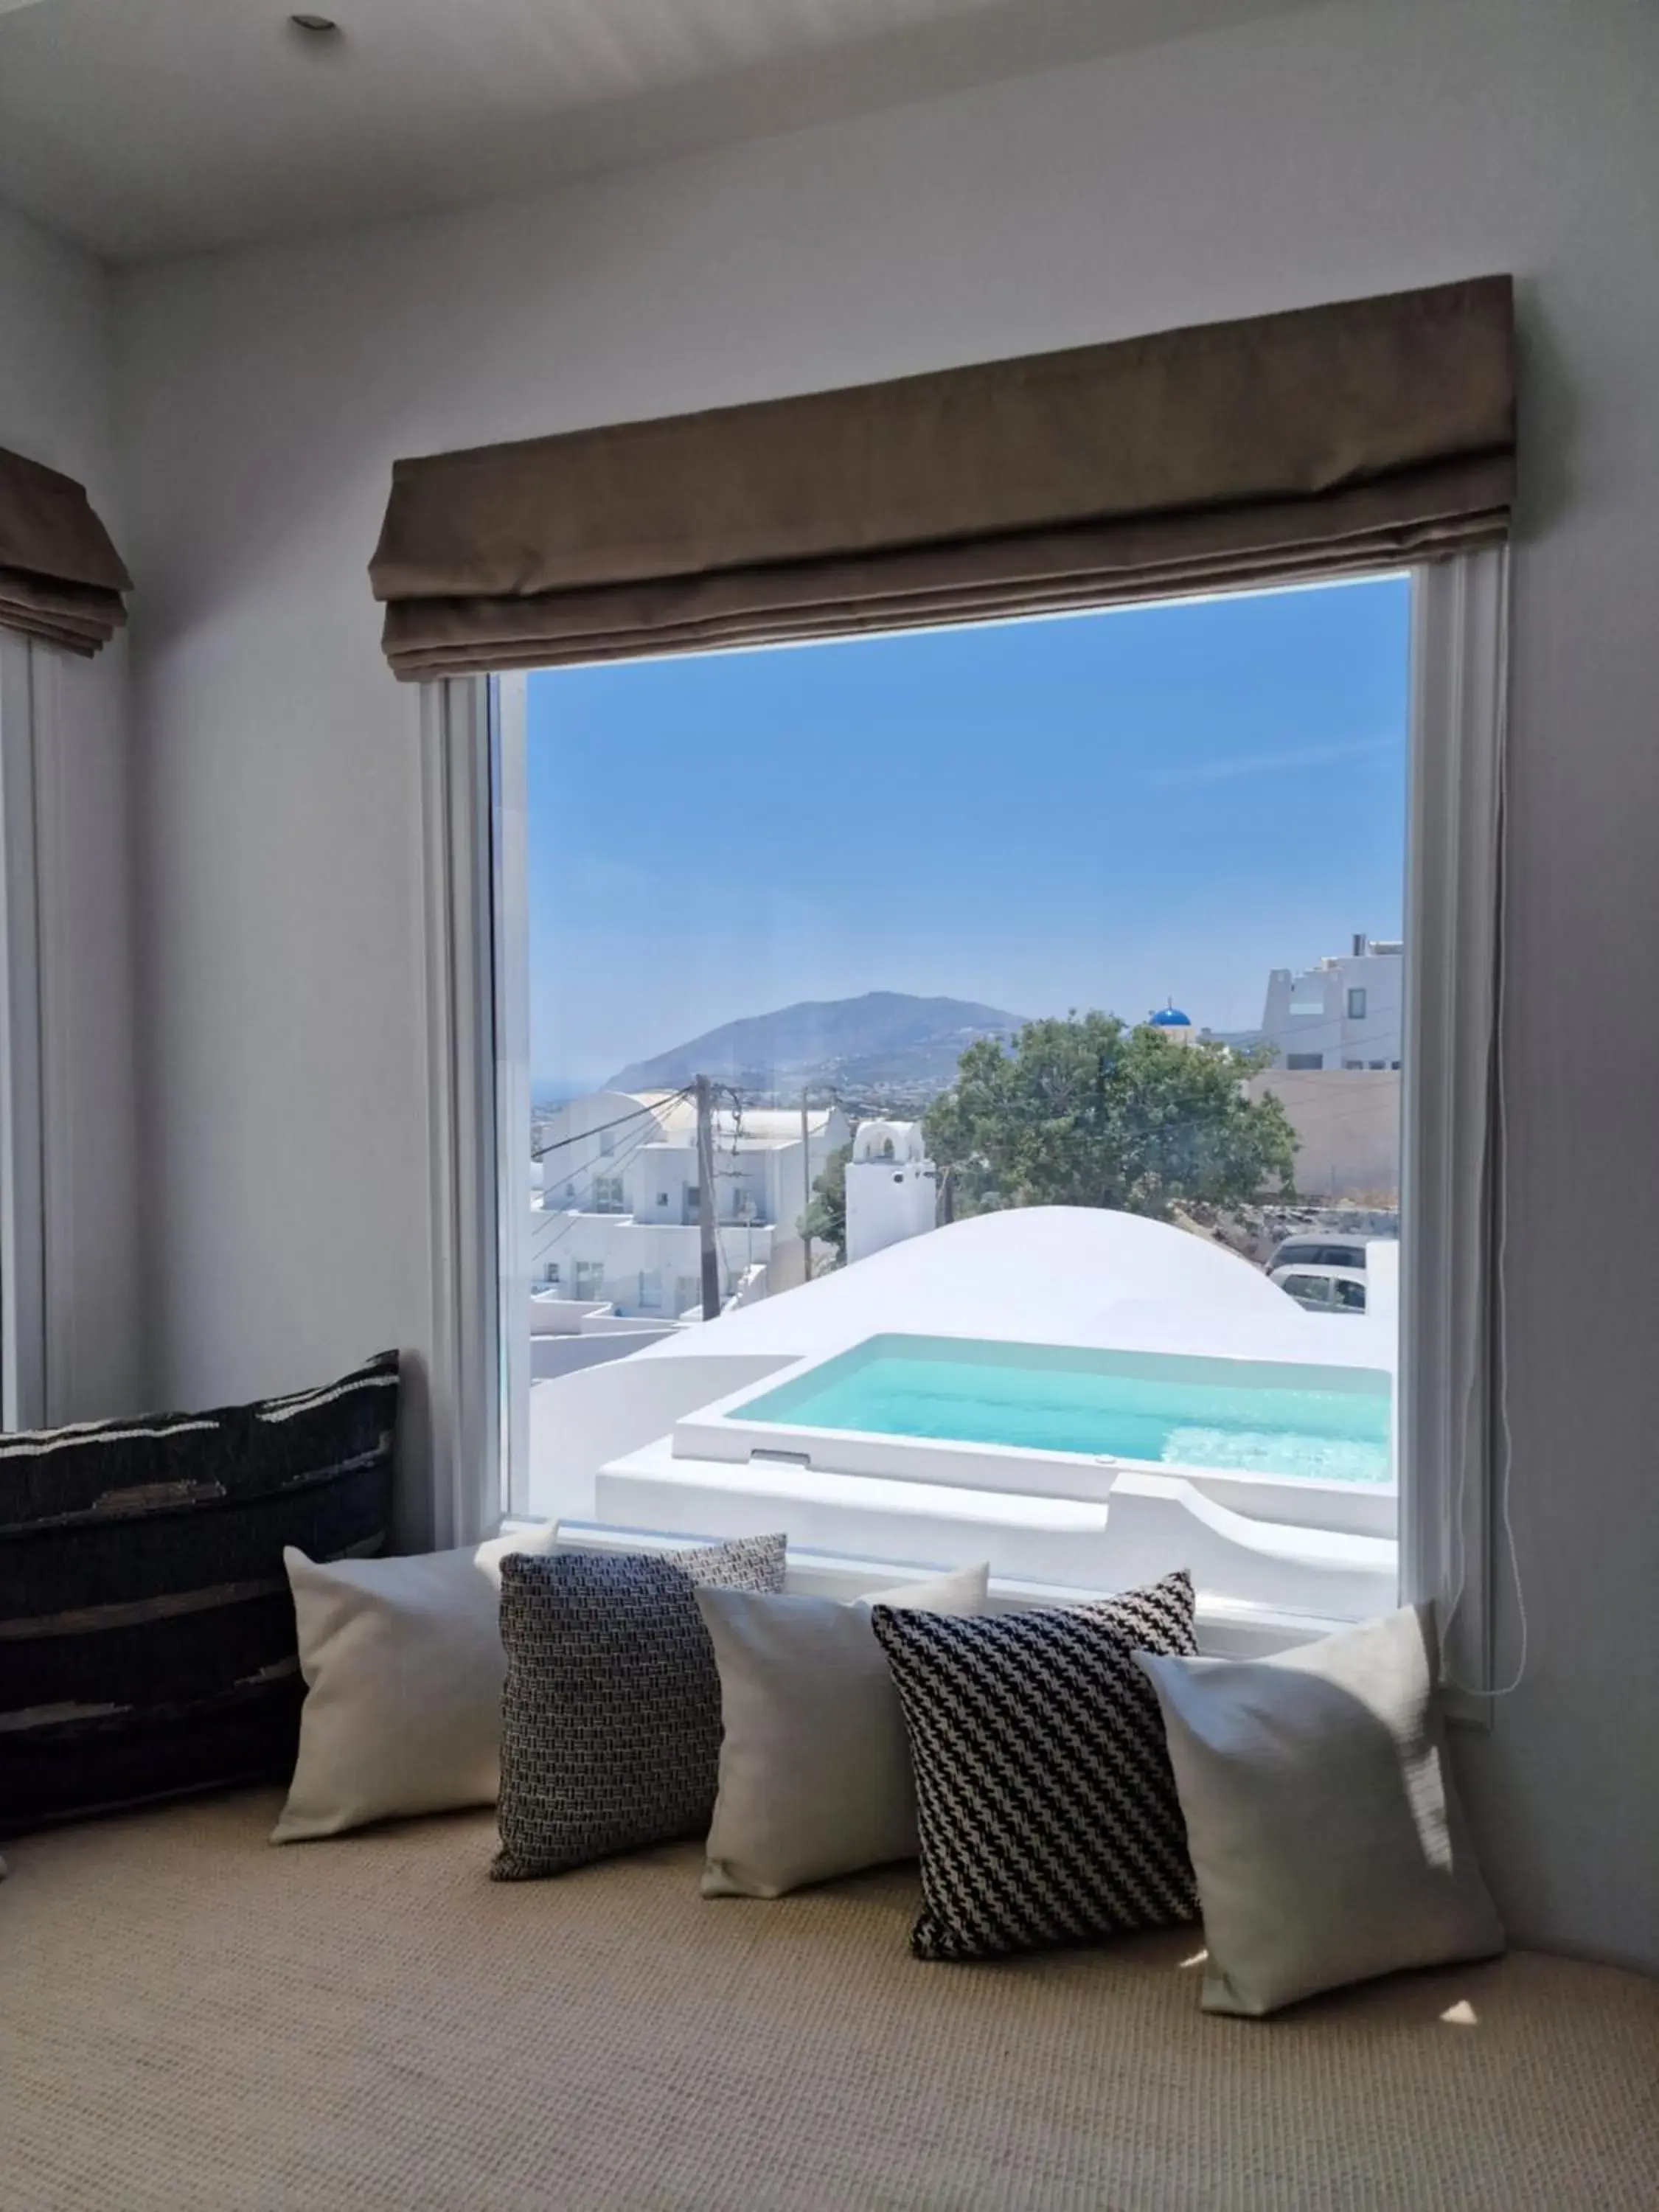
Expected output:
{"points": [[149, 127]]}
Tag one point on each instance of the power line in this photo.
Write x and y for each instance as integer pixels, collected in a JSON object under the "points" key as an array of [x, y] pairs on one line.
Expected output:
{"points": [[669, 1098], [608, 1168], [1320, 1111], [613, 1164], [1285, 1039], [709, 1248]]}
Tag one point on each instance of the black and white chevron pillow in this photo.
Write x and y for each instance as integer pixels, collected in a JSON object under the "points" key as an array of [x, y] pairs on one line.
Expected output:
{"points": [[1045, 1801]]}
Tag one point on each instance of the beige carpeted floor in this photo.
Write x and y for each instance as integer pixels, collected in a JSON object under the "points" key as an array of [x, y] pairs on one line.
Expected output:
{"points": [[190, 2019]]}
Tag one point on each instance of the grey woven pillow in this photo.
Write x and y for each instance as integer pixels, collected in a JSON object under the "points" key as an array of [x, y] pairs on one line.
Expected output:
{"points": [[611, 1718]]}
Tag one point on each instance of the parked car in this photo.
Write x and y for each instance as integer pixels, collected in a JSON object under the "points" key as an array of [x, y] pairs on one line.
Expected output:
{"points": [[1308, 1249], [1323, 1290]]}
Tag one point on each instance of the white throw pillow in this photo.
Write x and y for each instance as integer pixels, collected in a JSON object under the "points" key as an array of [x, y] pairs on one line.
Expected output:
{"points": [[1321, 1814], [403, 1667], [815, 1777]]}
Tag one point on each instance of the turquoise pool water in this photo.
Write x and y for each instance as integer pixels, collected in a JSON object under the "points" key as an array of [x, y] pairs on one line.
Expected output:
{"points": [[1249, 1417]]}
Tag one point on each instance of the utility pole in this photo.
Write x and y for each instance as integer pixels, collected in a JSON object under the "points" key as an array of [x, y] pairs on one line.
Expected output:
{"points": [[806, 1185], [711, 1260]]}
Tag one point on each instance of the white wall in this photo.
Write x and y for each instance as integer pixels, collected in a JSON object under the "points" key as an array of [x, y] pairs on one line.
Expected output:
{"points": [[56, 388], [626, 1249], [1373, 1035], [888, 1201], [1340, 151], [580, 1420], [552, 1357]]}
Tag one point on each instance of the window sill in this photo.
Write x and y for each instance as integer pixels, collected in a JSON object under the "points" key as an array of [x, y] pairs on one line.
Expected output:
{"points": [[1227, 1628]]}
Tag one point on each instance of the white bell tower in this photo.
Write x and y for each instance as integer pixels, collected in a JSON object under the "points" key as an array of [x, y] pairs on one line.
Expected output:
{"points": [[892, 1188]]}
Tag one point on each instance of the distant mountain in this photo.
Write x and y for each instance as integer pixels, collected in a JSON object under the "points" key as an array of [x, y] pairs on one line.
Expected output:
{"points": [[886, 1038]]}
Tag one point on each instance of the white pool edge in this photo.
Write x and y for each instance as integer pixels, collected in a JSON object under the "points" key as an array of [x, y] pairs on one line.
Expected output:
{"points": [[717, 1433]]}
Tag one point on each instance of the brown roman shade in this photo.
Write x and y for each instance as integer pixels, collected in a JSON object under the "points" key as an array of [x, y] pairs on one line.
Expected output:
{"points": [[1305, 444], [60, 578]]}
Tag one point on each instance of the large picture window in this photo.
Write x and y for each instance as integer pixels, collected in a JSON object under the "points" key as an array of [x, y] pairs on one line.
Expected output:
{"points": [[960, 1100], [902, 977]]}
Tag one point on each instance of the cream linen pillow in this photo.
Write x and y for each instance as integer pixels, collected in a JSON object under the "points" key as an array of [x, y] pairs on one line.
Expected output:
{"points": [[403, 1666], [1324, 1828], [815, 1776]]}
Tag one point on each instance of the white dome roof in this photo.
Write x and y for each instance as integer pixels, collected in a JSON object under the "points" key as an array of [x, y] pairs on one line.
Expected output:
{"points": [[1045, 1274]]}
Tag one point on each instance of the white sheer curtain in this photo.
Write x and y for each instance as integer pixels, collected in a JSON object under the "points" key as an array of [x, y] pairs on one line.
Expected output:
{"points": [[1451, 1479], [450, 1477]]}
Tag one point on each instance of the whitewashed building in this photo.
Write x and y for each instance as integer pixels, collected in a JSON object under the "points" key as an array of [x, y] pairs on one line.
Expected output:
{"points": [[615, 1220], [1336, 1030], [1345, 1013], [892, 1188]]}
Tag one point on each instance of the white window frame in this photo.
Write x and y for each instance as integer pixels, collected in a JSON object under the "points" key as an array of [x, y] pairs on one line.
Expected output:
{"points": [[479, 1255], [473, 735]]}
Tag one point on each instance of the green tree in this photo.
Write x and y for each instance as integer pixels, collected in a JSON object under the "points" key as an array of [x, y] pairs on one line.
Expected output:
{"points": [[825, 1220], [1088, 1111]]}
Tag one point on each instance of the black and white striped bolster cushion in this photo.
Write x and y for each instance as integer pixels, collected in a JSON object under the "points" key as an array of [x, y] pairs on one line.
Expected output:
{"points": [[147, 1637]]}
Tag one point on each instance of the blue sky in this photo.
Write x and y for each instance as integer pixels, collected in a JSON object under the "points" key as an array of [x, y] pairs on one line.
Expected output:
{"points": [[1108, 810]]}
